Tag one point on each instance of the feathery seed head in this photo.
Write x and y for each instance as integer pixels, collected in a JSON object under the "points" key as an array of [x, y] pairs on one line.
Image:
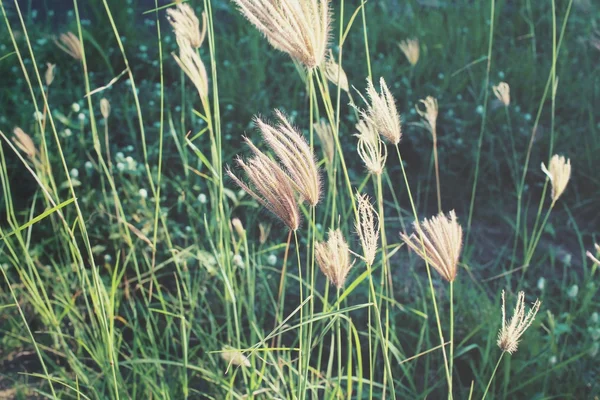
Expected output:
{"points": [[335, 73], [104, 108], [298, 28], [502, 92], [559, 174], [273, 188], [367, 227], [370, 147], [186, 25], [294, 152], [24, 142], [410, 48], [381, 112], [49, 76], [70, 44], [430, 114], [191, 63], [333, 258], [511, 332], [441, 243], [326, 136], [235, 357]]}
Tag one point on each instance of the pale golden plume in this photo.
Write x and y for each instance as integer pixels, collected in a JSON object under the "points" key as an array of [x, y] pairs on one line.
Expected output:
{"points": [[559, 173], [325, 133], [367, 227], [511, 332], [272, 187], [502, 92], [370, 147], [429, 114], [70, 44], [410, 48], [294, 152], [234, 357], [186, 25], [438, 241], [333, 257], [49, 75], [381, 112], [24, 143], [298, 28], [335, 73], [191, 63]]}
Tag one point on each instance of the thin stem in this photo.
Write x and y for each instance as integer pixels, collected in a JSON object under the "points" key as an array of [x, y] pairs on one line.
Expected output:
{"points": [[492, 378], [437, 173], [451, 332], [301, 356]]}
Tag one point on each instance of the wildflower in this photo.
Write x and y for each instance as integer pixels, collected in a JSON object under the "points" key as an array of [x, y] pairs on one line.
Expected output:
{"points": [[235, 357], [49, 76], [509, 335], [296, 156], [335, 73], [70, 44], [502, 92], [273, 188], [410, 48], [74, 173], [367, 227], [186, 25], [559, 174], [202, 198], [38, 116], [298, 28], [326, 136], [430, 114], [370, 147], [382, 112], [143, 193], [24, 142], [272, 259], [439, 243], [333, 258], [81, 117], [191, 63], [88, 165], [104, 108], [573, 291], [541, 283]]}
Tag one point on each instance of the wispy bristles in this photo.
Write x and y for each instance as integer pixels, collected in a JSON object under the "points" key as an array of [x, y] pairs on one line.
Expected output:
{"points": [[299, 28], [502, 92], [559, 174], [429, 114], [335, 73], [273, 187], [441, 243], [191, 63], [296, 156], [370, 147], [325, 133], [186, 25], [367, 227], [70, 44], [410, 48], [381, 112], [333, 258], [509, 335]]}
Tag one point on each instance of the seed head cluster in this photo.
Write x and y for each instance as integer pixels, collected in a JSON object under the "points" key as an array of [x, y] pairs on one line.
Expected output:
{"points": [[511, 332], [333, 257], [559, 173]]}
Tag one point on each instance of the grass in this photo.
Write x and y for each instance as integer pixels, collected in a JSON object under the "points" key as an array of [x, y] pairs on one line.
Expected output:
{"points": [[122, 276]]}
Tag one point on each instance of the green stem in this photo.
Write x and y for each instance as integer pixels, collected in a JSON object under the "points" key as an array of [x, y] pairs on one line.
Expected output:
{"points": [[492, 378]]}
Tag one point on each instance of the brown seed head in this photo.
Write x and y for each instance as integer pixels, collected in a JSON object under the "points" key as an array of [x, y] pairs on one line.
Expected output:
{"points": [[441, 243], [326, 136], [104, 108], [510, 333], [191, 63], [367, 227], [410, 48], [186, 25], [381, 112], [333, 258], [49, 76], [559, 174], [370, 147], [24, 142], [335, 73], [296, 156], [429, 114], [272, 187], [70, 44], [502, 92], [299, 28]]}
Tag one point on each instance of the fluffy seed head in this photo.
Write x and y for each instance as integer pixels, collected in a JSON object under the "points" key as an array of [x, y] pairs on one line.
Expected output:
{"points": [[293, 151], [511, 332], [298, 28], [429, 114], [441, 243], [70, 44], [24, 142], [559, 174], [370, 147], [335, 73], [191, 63], [367, 227], [502, 92], [333, 258], [235, 357], [326, 136], [186, 25], [381, 112], [104, 108], [49, 76], [273, 188], [410, 48]]}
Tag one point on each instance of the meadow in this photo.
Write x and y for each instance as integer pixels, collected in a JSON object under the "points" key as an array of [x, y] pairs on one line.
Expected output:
{"points": [[312, 199]]}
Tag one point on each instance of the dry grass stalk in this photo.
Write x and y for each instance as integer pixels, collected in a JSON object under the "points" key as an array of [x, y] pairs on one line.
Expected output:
{"points": [[410, 48], [104, 108], [296, 156], [367, 227], [24, 142], [429, 114], [381, 112], [50, 73], [370, 147], [298, 28], [441, 243], [235, 357], [70, 44], [264, 230], [273, 188], [502, 92], [325, 133], [559, 174], [191, 63], [186, 25], [509, 335], [333, 258], [591, 256], [335, 73]]}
